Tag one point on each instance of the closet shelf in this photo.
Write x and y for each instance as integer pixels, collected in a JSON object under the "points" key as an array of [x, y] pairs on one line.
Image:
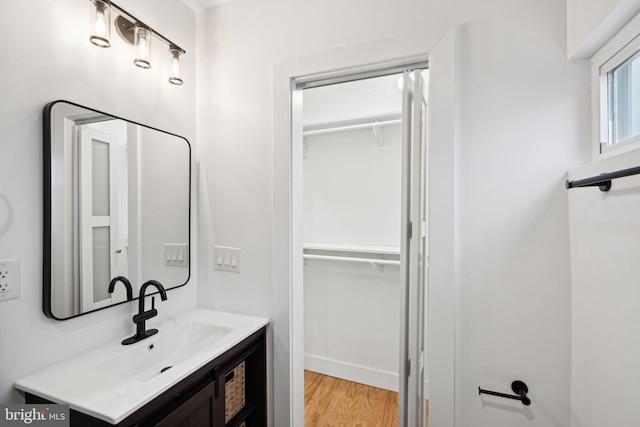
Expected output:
{"points": [[341, 247], [373, 261], [372, 122]]}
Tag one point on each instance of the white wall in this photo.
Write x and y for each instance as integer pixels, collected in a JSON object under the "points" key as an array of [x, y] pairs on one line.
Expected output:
{"points": [[344, 101], [352, 188], [590, 23], [352, 322], [243, 45], [605, 294], [351, 182], [50, 58], [522, 122], [524, 114]]}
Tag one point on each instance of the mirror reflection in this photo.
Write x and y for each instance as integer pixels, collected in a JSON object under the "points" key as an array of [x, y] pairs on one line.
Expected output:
{"points": [[116, 205]]}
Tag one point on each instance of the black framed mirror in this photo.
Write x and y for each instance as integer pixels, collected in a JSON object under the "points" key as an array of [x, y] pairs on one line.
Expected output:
{"points": [[116, 203]]}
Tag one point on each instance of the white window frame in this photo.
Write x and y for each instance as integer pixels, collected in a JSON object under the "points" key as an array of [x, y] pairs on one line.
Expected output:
{"points": [[617, 50]]}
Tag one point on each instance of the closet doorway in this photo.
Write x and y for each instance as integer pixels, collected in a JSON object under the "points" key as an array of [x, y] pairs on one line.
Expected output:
{"points": [[363, 221]]}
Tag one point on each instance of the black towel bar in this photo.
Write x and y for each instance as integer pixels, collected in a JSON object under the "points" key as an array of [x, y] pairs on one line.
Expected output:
{"points": [[518, 387], [602, 181]]}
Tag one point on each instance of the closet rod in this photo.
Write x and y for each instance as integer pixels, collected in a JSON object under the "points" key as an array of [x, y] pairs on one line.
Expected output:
{"points": [[602, 181], [371, 125], [352, 259]]}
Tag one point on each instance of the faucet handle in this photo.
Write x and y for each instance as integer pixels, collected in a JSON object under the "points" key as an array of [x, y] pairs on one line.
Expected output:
{"points": [[139, 319], [153, 303]]}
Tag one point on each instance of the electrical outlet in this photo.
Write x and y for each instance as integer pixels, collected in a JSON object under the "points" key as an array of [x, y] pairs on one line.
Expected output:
{"points": [[9, 279]]}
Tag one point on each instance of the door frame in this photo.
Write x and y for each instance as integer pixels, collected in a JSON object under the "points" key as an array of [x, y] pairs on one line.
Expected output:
{"points": [[287, 352], [411, 387]]}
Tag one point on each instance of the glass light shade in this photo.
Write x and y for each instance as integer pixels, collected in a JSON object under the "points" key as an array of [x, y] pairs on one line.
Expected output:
{"points": [[175, 67], [100, 16], [142, 44]]}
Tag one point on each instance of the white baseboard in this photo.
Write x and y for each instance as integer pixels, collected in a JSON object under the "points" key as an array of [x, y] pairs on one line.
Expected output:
{"points": [[351, 372]]}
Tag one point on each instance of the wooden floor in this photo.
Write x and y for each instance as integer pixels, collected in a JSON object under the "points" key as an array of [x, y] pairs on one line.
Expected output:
{"points": [[333, 402]]}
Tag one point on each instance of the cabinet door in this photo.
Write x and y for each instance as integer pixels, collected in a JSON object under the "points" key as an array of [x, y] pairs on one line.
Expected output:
{"points": [[197, 411]]}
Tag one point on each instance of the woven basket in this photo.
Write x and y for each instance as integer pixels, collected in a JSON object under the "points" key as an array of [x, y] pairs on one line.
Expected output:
{"points": [[234, 394]]}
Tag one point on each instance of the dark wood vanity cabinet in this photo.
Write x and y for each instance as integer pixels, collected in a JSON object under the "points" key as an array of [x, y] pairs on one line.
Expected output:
{"points": [[199, 399]]}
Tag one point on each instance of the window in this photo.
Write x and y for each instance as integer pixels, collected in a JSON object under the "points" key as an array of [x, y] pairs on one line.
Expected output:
{"points": [[616, 91], [623, 99]]}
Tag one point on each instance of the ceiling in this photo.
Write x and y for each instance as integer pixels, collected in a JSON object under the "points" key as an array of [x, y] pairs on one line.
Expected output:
{"points": [[199, 5]]}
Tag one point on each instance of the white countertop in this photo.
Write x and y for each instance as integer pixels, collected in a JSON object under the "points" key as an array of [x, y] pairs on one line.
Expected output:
{"points": [[85, 387]]}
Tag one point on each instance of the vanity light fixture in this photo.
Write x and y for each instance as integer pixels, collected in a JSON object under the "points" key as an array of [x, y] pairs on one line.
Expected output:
{"points": [[100, 23], [142, 43], [134, 32], [175, 66]]}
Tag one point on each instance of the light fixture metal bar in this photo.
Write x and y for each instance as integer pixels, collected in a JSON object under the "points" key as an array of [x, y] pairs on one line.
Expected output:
{"points": [[157, 34]]}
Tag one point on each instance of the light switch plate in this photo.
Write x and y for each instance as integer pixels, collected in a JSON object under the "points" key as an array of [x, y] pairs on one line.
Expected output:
{"points": [[176, 254], [226, 258]]}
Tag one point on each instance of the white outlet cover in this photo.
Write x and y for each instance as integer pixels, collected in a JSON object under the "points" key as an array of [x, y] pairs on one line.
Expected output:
{"points": [[9, 279]]}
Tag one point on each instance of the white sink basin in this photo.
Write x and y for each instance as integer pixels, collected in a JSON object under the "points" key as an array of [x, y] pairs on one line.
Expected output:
{"points": [[156, 355], [113, 381]]}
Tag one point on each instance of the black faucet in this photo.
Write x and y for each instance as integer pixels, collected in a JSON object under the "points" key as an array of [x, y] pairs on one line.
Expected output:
{"points": [[142, 316], [125, 282]]}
